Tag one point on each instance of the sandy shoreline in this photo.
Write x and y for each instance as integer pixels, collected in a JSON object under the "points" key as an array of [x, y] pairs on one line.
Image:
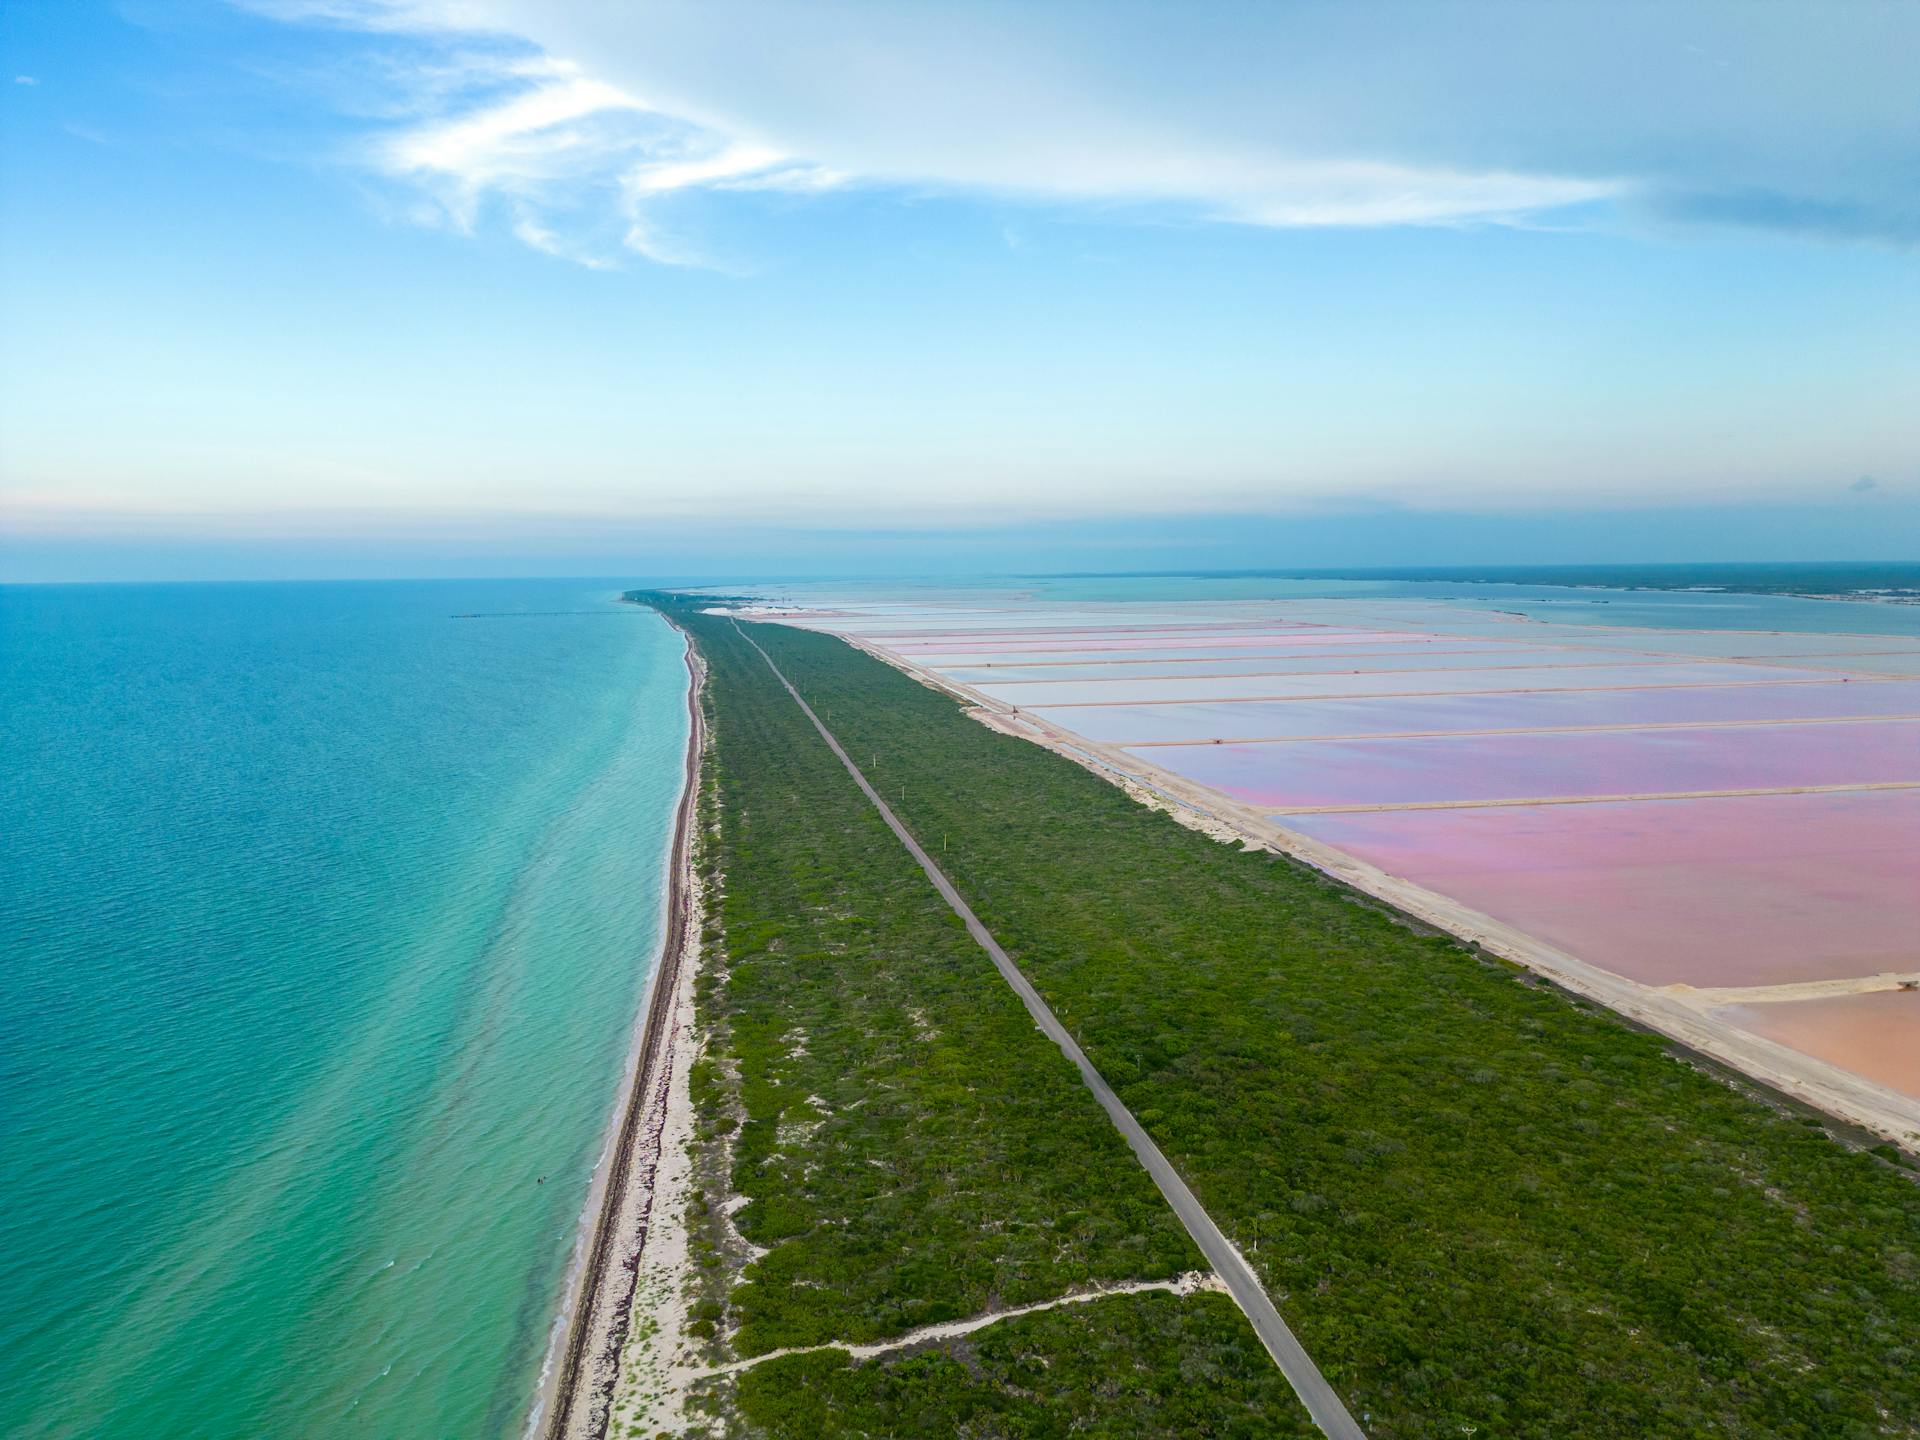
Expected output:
{"points": [[577, 1383]]}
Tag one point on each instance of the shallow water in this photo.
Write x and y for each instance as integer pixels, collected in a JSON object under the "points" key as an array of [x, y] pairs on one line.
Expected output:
{"points": [[1736, 890], [326, 915], [1876, 1034], [1562, 604], [1456, 768], [1545, 710], [1032, 694]]}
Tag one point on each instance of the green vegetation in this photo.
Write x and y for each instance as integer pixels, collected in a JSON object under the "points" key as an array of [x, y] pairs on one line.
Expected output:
{"points": [[1126, 1367], [909, 1148], [1484, 1207]]}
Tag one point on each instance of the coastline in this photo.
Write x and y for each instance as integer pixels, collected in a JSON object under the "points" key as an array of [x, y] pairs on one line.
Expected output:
{"points": [[580, 1372]]}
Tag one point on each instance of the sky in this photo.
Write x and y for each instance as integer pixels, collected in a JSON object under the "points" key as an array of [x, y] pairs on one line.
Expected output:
{"points": [[371, 287]]}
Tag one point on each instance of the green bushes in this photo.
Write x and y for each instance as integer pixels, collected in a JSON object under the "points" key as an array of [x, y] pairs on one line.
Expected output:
{"points": [[1482, 1207], [909, 1148], [1121, 1367]]}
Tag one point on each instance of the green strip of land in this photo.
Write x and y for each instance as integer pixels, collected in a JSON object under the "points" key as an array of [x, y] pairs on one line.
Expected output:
{"points": [[909, 1149], [1484, 1207]]}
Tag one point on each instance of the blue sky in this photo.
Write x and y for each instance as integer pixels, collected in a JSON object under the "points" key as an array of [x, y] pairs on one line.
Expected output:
{"points": [[464, 286]]}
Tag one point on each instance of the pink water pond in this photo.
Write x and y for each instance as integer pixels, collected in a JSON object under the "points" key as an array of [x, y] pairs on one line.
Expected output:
{"points": [[1403, 715], [1876, 1034], [1747, 890], [1385, 659], [1542, 766], [1068, 664], [1457, 682], [1203, 641]]}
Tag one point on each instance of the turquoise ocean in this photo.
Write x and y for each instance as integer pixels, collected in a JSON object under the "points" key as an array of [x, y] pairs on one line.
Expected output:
{"points": [[324, 921]]}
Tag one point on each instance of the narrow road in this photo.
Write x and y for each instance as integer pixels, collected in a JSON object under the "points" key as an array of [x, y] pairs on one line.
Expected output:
{"points": [[1322, 1403]]}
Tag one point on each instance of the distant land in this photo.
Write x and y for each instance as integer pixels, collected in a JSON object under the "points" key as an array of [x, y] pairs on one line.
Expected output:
{"points": [[1884, 582]]}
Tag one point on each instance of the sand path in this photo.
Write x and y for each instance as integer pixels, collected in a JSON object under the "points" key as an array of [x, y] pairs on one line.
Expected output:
{"points": [[952, 1329]]}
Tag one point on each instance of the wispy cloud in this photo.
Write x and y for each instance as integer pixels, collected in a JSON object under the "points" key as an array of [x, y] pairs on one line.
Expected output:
{"points": [[577, 162], [734, 163], [564, 154], [1289, 116], [484, 122], [26, 80], [530, 230]]}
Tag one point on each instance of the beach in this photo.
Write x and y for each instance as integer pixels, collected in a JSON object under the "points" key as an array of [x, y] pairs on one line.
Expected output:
{"points": [[583, 1368]]}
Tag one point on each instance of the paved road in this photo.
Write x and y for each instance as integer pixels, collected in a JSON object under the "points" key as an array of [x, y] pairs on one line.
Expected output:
{"points": [[1322, 1403]]}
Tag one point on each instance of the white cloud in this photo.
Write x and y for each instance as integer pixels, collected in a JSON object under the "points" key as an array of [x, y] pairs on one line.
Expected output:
{"points": [[735, 163], [787, 179], [532, 135], [565, 155], [529, 230], [26, 80], [1791, 117], [528, 151]]}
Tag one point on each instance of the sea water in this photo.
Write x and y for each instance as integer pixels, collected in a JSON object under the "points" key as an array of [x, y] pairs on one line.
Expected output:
{"points": [[1717, 603], [1710, 607], [324, 919]]}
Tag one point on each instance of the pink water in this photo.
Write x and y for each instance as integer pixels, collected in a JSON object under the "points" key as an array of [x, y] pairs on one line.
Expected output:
{"points": [[1380, 659], [1299, 719], [1876, 1035], [1374, 704], [1528, 767], [1748, 890], [1209, 640], [1730, 644], [1067, 664], [1596, 677]]}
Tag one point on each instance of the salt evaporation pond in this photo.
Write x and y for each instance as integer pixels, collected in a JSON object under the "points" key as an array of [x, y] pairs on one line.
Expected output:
{"points": [[1453, 768], [1741, 890], [1427, 714], [1876, 1035], [1399, 682], [1797, 864]]}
